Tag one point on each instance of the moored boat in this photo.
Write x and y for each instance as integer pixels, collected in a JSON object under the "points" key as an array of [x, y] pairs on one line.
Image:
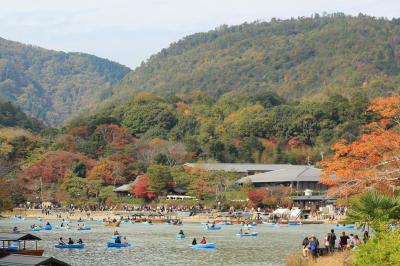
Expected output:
{"points": [[294, 224], [76, 246], [21, 248]]}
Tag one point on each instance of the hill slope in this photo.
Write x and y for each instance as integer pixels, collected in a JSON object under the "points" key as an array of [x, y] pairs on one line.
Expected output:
{"points": [[52, 85], [12, 116], [294, 58]]}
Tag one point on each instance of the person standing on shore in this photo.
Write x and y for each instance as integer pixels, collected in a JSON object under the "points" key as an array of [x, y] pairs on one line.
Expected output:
{"points": [[305, 244], [331, 241], [366, 236]]}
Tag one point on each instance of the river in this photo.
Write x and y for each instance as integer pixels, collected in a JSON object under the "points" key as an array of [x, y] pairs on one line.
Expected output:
{"points": [[157, 245]]}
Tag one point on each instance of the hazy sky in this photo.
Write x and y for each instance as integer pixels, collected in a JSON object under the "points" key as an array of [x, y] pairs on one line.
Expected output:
{"points": [[130, 31]]}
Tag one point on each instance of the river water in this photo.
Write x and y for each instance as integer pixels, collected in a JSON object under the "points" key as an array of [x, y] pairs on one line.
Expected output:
{"points": [[157, 244]]}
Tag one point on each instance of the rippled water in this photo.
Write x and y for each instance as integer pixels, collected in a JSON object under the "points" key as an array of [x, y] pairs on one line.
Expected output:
{"points": [[156, 244]]}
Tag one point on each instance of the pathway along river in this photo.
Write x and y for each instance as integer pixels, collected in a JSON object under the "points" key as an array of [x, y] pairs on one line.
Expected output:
{"points": [[157, 244]]}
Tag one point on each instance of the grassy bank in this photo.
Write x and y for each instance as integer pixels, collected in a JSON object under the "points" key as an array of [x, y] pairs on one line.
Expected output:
{"points": [[339, 258]]}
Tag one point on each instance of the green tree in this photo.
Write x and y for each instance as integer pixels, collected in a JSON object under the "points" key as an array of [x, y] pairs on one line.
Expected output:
{"points": [[159, 178]]}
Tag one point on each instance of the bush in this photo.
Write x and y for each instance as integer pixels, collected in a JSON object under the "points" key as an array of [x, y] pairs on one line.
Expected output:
{"points": [[383, 249]]}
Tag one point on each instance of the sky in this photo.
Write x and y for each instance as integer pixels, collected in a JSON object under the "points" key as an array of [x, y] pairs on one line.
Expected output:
{"points": [[129, 32]]}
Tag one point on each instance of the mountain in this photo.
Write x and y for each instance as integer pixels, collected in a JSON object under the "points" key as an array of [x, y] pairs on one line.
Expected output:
{"points": [[51, 85], [295, 58]]}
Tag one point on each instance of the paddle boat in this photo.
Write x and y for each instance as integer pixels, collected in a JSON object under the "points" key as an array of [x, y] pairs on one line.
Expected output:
{"points": [[224, 223], [345, 226], [76, 246], [84, 228], [147, 223], [294, 224], [211, 228], [269, 223], [63, 227], [117, 245], [18, 218], [180, 236], [247, 226], [208, 246], [47, 227], [112, 224], [36, 229], [249, 234]]}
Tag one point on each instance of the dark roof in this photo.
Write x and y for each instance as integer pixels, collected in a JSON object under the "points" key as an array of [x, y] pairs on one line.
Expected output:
{"points": [[17, 237], [237, 167], [25, 260], [312, 198], [292, 173]]}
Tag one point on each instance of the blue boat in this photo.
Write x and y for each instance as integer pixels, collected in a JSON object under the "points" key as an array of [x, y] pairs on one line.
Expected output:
{"points": [[208, 246], [180, 236], [249, 234], [126, 222], [294, 224], [84, 228], [118, 245], [76, 246], [225, 223], [62, 228], [9, 248], [214, 228], [47, 227], [349, 226]]}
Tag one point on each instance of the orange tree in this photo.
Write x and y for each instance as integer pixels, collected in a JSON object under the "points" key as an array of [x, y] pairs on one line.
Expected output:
{"points": [[373, 161]]}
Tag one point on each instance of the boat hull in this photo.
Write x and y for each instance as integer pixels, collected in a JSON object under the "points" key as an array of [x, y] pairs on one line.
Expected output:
{"points": [[116, 224], [251, 234], [118, 245], [75, 246], [206, 246]]}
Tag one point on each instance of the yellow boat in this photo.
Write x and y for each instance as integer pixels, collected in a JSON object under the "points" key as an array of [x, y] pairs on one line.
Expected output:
{"points": [[113, 224]]}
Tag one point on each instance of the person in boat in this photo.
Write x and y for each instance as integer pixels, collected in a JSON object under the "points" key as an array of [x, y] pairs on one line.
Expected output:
{"points": [[62, 225], [80, 241], [116, 233], [203, 240], [125, 241], [181, 232], [61, 241], [47, 223], [118, 240], [194, 242], [70, 241]]}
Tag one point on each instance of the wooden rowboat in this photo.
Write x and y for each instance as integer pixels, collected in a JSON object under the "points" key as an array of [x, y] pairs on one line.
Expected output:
{"points": [[113, 224]]}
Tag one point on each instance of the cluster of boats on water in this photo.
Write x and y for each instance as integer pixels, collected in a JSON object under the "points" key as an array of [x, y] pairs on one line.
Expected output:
{"points": [[118, 241]]}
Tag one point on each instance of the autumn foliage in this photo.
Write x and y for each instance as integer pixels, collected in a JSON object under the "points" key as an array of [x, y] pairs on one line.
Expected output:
{"points": [[140, 188], [372, 161]]}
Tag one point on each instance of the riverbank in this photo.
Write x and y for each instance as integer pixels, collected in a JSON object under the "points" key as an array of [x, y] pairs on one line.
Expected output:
{"points": [[339, 258]]}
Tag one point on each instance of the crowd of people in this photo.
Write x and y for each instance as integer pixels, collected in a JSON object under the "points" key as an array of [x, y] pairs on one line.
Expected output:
{"points": [[331, 243]]}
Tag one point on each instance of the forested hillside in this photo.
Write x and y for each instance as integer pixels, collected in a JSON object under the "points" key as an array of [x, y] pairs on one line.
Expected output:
{"points": [[52, 86], [295, 58], [12, 116]]}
